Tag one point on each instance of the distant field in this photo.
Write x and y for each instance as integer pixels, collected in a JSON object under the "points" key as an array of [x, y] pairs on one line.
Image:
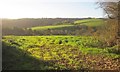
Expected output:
{"points": [[87, 22], [90, 22], [57, 52], [50, 27]]}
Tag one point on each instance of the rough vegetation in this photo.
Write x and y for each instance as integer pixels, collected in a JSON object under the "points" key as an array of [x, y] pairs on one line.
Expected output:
{"points": [[57, 52]]}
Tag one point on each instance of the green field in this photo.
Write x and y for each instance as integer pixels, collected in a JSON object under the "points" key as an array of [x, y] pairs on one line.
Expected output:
{"points": [[86, 22], [90, 22], [57, 52], [51, 27]]}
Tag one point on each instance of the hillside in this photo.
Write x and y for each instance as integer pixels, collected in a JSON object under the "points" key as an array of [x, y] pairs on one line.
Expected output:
{"points": [[90, 22], [52, 26], [31, 22]]}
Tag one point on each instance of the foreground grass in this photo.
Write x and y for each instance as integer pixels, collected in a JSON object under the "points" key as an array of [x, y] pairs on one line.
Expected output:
{"points": [[61, 52]]}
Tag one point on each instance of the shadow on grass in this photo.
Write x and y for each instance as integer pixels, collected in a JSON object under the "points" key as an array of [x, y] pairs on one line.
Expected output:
{"points": [[15, 59]]}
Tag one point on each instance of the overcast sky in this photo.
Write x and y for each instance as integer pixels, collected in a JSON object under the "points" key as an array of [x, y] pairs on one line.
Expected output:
{"points": [[49, 9]]}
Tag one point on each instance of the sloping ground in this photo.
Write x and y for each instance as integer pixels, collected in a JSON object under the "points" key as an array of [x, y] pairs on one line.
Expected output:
{"points": [[87, 22], [50, 27], [90, 22], [57, 52]]}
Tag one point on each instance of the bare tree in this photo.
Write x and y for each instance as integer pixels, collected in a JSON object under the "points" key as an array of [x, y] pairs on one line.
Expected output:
{"points": [[112, 10]]}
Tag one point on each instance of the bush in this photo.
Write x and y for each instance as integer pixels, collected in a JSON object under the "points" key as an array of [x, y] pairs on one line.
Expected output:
{"points": [[114, 49]]}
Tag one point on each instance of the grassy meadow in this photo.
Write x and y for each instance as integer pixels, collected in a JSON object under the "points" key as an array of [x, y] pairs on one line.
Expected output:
{"points": [[90, 22], [51, 27], [86, 22]]}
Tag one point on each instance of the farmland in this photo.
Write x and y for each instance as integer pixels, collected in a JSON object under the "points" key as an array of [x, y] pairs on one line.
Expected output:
{"points": [[51, 27], [57, 52], [90, 22], [73, 27], [86, 22], [57, 44]]}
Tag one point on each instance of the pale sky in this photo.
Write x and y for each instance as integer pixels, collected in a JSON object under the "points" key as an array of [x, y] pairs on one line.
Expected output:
{"points": [[49, 9]]}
